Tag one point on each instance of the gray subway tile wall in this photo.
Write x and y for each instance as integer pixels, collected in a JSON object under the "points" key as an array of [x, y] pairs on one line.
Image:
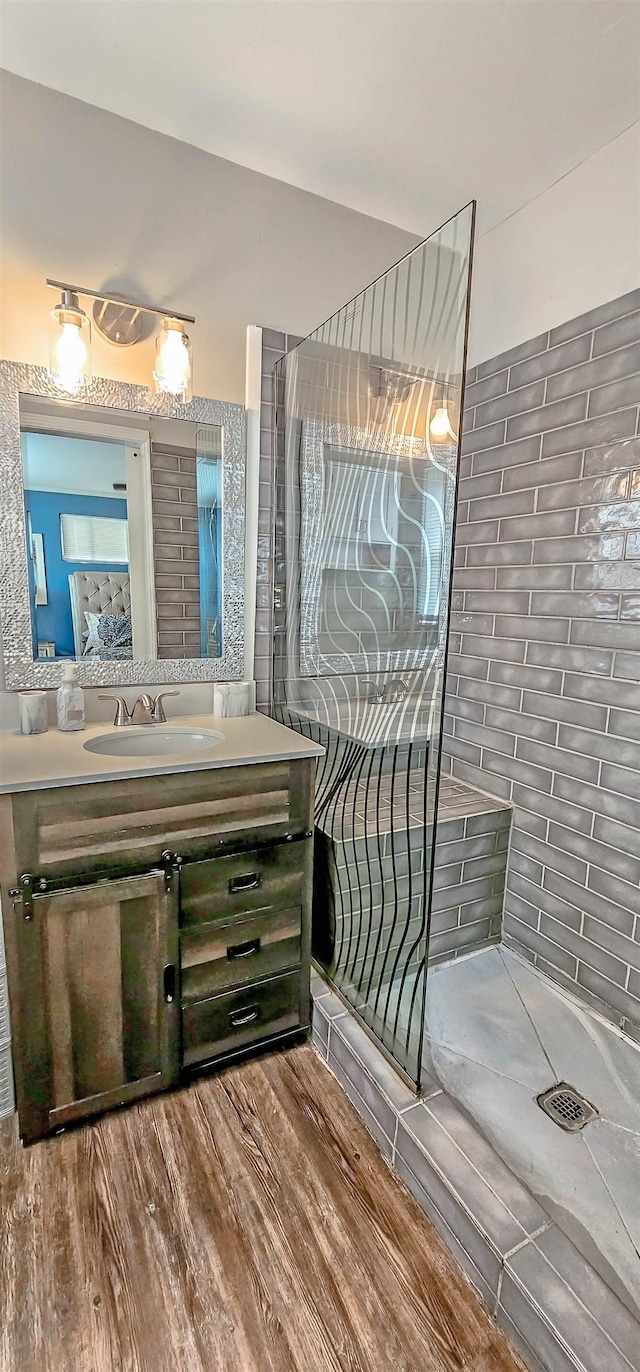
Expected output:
{"points": [[543, 700], [547, 603], [175, 550]]}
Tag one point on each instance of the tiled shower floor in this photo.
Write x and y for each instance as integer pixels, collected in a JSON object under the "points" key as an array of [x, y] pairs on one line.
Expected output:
{"points": [[497, 1034]]}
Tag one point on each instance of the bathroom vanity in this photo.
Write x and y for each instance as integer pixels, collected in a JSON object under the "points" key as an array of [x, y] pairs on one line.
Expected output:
{"points": [[156, 910], [155, 881]]}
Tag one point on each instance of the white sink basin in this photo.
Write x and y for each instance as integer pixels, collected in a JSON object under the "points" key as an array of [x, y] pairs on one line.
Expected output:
{"points": [[154, 740]]}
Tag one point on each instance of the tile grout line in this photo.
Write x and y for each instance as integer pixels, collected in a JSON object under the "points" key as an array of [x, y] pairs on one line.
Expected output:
{"points": [[585, 1307], [548, 1224], [432, 1163], [559, 988], [609, 1192], [555, 1331], [485, 1065], [498, 1291], [529, 1016], [575, 1358]]}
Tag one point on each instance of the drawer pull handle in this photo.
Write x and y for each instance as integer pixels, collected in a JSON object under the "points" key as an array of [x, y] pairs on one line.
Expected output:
{"points": [[169, 983], [243, 950], [239, 1017], [249, 882]]}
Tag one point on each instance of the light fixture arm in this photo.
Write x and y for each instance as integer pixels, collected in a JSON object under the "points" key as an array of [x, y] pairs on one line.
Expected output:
{"points": [[114, 297]]}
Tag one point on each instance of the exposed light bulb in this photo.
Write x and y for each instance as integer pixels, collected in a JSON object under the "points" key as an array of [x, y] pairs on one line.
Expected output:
{"points": [[71, 356], [440, 426], [172, 373], [70, 344]]}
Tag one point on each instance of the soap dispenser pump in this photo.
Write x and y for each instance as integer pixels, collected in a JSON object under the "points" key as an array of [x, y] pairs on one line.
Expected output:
{"points": [[70, 700]]}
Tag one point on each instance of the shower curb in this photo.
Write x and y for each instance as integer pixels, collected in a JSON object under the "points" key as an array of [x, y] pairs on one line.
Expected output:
{"points": [[556, 1309]]}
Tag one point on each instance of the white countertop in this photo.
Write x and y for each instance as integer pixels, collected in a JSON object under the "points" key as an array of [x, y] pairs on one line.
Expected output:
{"points": [[37, 761]]}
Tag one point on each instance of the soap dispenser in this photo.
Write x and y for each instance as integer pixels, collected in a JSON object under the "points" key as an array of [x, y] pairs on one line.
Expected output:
{"points": [[70, 700]]}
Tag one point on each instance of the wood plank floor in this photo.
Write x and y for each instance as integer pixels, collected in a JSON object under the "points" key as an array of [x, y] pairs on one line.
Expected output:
{"points": [[247, 1224]]}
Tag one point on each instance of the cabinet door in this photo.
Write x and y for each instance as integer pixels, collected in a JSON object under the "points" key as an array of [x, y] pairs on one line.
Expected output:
{"points": [[100, 1018]]}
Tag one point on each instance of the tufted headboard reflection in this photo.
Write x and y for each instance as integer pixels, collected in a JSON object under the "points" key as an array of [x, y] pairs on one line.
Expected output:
{"points": [[99, 592]]}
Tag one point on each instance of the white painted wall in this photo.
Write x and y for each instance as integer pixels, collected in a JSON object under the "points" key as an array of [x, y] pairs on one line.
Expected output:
{"points": [[574, 247], [90, 197]]}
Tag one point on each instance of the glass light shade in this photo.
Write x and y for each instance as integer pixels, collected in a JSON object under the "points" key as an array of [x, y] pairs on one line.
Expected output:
{"points": [[70, 345], [440, 426], [172, 373]]}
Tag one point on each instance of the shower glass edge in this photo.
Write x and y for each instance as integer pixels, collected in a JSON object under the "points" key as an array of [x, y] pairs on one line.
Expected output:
{"points": [[367, 442]]}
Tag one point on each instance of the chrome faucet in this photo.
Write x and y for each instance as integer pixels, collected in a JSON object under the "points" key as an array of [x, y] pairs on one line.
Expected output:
{"points": [[376, 693], [146, 710], [397, 689]]}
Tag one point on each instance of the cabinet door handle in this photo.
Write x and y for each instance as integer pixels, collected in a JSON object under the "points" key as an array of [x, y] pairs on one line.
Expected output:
{"points": [[243, 950], [249, 882], [239, 1017], [169, 983]]}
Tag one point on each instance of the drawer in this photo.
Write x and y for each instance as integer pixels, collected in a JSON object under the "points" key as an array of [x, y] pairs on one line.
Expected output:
{"points": [[233, 952], [261, 878], [70, 830], [239, 1018]]}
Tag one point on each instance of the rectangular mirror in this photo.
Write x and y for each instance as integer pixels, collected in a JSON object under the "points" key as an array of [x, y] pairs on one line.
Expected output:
{"points": [[118, 517], [124, 532]]}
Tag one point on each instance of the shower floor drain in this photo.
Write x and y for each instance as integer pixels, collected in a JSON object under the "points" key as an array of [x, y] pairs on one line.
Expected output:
{"points": [[566, 1107]]}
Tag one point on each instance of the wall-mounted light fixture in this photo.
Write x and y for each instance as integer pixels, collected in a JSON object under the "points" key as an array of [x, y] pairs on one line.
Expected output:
{"points": [[393, 386], [118, 321]]}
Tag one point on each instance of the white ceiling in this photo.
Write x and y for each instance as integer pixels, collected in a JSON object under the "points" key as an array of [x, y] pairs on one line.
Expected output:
{"points": [[403, 109], [76, 466]]}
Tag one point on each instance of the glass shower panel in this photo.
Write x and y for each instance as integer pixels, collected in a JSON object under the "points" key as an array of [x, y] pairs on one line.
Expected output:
{"points": [[368, 413]]}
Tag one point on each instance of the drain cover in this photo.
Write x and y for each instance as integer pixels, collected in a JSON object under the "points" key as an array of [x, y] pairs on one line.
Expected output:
{"points": [[566, 1107]]}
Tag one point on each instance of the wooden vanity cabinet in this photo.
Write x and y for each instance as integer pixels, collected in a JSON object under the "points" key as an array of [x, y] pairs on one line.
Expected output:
{"points": [[153, 926]]}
